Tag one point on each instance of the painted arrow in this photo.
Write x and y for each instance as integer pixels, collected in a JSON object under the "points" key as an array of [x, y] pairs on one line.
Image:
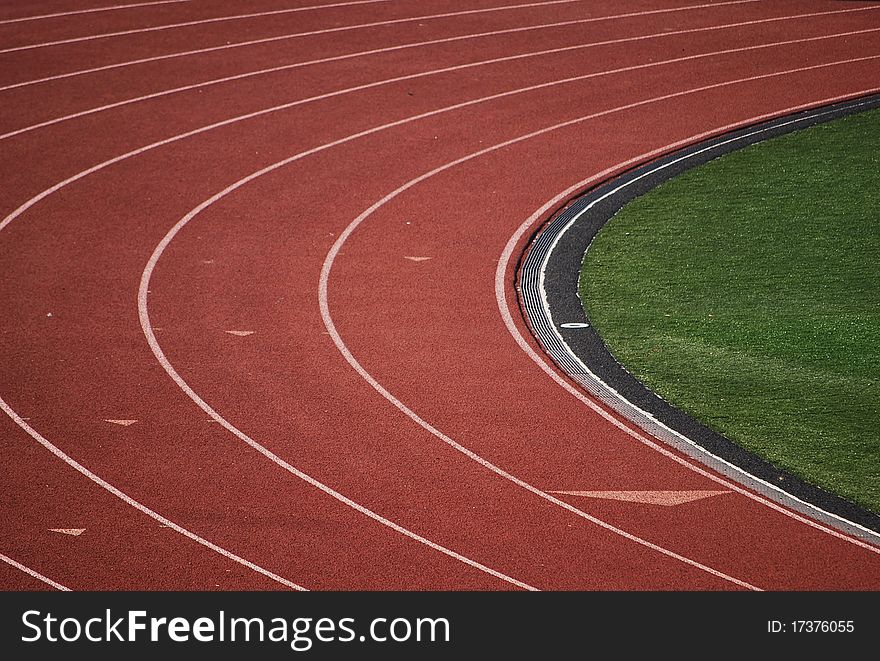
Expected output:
{"points": [[667, 498]]}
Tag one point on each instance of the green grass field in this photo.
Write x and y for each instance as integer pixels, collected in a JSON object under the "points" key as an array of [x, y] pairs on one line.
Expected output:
{"points": [[747, 293]]}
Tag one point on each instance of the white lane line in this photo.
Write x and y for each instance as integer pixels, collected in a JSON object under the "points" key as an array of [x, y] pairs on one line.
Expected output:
{"points": [[275, 12], [89, 11], [39, 438], [252, 42], [144, 315], [337, 58], [31, 572], [504, 307], [136, 152]]}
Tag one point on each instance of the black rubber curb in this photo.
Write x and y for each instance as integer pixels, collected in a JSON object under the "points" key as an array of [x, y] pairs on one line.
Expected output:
{"points": [[548, 286]]}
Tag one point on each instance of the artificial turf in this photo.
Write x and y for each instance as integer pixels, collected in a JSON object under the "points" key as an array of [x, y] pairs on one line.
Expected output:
{"points": [[746, 292]]}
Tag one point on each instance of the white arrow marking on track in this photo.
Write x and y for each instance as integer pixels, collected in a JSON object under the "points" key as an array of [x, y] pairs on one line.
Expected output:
{"points": [[73, 532], [667, 498]]}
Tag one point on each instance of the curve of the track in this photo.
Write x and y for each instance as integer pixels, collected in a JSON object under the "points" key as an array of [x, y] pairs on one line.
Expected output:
{"points": [[267, 172]]}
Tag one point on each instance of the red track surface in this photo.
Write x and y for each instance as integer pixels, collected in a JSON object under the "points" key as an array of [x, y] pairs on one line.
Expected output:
{"points": [[428, 332]]}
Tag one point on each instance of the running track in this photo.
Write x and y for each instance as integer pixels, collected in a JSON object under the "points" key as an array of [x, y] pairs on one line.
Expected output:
{"points": [[338, 185]]}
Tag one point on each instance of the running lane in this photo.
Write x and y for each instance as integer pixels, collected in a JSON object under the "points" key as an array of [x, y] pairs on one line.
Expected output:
{"points": [[233, 303], [59, 524]]}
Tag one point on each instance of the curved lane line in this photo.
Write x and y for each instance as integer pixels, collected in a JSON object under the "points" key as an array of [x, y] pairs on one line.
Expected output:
{"points": [[285, 11], [39, 438], [504, 307], [283, 37], [96, 10], [337, 58], [35, 574]]}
